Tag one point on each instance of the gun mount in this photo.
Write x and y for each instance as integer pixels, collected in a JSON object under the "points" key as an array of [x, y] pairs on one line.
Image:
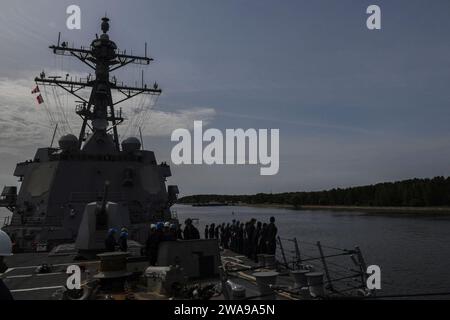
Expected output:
{"points": [[101, 214]]}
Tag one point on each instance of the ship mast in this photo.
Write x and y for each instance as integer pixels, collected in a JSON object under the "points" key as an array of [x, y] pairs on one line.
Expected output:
{"points": [[99, 113]]}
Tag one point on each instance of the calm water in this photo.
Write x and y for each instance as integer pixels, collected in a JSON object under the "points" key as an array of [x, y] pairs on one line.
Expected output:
{"points": [[412, 251]]}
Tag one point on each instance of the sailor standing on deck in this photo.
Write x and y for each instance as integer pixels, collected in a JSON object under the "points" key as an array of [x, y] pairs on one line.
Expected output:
{"points": [[271, 237], [212, 227], [222, 235], [217, 232], [227, 236], [250, 231], [179, 232], [169, 233], [110, 241], [255, 241], [206, 232], [233, 235], [262, 245], [190, 232], [5, 251], [240, 238], [123, 240], [152, 244]]}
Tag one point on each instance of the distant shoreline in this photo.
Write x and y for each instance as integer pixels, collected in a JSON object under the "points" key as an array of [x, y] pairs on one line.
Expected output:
{"points": [[399, 210], [362, 209]]}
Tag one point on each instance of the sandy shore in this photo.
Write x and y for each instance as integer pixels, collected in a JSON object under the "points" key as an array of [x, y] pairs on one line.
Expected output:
{"points": [[387, 210]]}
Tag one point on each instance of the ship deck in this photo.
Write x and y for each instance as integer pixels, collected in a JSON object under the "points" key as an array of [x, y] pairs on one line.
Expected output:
{"points": [[27, 283], [242, 274]]}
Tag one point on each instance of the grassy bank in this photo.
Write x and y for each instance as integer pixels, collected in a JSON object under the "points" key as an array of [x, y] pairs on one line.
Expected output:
{"points": [[414, 195], [387, 210]]}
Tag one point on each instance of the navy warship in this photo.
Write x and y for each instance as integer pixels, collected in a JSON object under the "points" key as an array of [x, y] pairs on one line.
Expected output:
{"points": [[58, 183], [73, 195]]}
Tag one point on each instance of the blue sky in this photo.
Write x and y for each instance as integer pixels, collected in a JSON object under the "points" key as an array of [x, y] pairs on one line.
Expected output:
{"points": [[353, 106]]}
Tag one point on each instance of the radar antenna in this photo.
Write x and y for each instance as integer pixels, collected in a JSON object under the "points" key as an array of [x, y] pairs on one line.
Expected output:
{"points": [[103, 57]]}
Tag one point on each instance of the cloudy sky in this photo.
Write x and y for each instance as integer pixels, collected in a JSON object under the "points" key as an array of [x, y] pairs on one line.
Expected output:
{"points": [[353, 106]]}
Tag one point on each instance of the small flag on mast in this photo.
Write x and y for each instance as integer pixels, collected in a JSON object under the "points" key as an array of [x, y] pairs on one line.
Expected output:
{"points": [[35, 90], [39, 99]]}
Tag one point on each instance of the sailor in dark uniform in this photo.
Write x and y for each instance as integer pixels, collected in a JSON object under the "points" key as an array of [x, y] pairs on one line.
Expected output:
{"points": [[240, 238], [179, 232], [271, 237], [110, 241], [123, 240], [250, 232], [222, 235], [217, 232], [170, 232], [152, 244], [262, 241], [206, 232], [227, 236], [212, 227], [190, 232], [255, 241]]}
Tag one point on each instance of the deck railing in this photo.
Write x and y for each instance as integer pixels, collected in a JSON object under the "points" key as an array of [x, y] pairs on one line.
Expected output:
{"points": [[344, 269]]}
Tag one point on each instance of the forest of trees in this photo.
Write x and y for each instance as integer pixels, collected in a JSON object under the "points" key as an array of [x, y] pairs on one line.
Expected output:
{"points": [[409, 193]]}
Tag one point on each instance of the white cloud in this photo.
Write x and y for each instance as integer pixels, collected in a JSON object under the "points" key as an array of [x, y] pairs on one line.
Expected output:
{"points": [[163, 123], [21, 122], [24, 123]]}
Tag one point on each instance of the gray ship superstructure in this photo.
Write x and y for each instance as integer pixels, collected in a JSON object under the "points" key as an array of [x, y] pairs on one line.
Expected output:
{"points": [[58, 184]]}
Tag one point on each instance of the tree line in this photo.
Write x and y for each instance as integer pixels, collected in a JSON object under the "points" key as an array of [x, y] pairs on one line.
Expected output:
{"points": [[433, 192]]}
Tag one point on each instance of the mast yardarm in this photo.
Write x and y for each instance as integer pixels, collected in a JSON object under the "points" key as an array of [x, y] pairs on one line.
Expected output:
{"points": [[98, 113]]}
